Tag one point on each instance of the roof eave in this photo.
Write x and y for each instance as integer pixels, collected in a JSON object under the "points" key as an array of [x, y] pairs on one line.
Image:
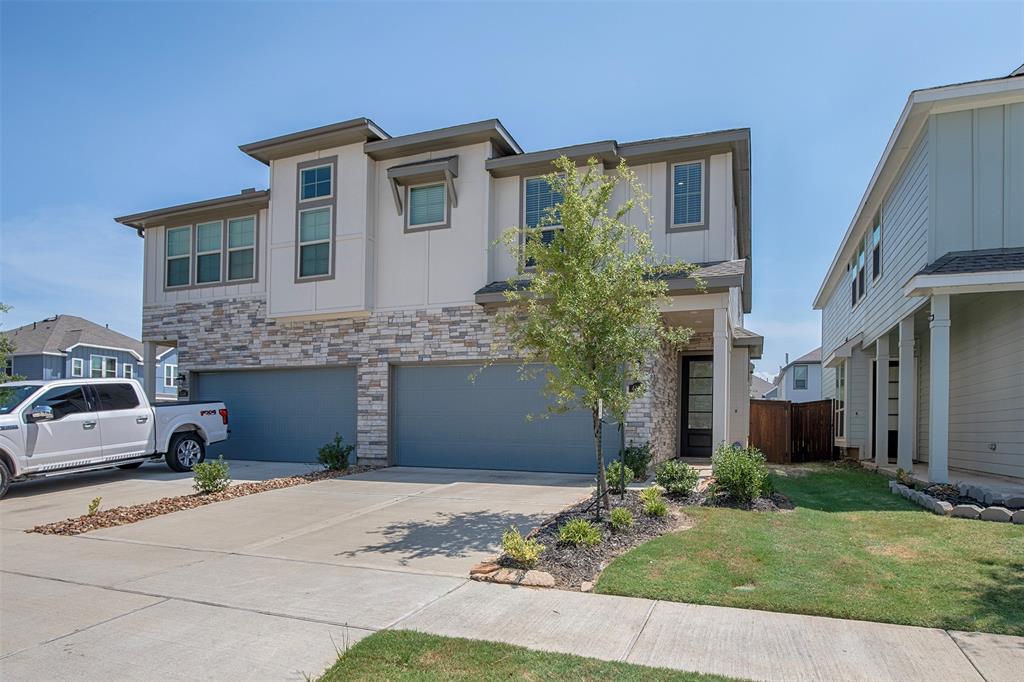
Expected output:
{"points": [[334, 135], [140, 221]]}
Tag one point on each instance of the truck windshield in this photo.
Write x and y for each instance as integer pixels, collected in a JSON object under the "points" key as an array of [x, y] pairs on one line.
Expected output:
{"points": [[11, 396]]}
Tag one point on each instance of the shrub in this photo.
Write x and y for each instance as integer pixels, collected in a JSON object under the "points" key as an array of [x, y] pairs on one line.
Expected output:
{"points": [[621, 518], [94, 506], [334, 454], [638, 458], [211, 477], [654, 504], [740, 472], [614, 475], [904, 478], [525, 552], [580, 533], [677, 478]]}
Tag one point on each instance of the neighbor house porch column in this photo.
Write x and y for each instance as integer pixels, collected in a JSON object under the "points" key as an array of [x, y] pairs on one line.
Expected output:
{"points": [[881, 411], [720, 371], [149, 369], [907, 397], [938, 397]]}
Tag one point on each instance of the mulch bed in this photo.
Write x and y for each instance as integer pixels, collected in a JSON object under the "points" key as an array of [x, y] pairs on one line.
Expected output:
{"points": [[951, 494], [120, 516]]}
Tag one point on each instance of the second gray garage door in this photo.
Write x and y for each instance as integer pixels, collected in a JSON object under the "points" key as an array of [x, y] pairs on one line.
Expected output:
{"points": [[441, 419], [282, 415]]}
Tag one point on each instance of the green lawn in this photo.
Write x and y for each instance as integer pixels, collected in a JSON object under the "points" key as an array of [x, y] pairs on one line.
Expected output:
{"points": [[402, 655], [850, 550]]}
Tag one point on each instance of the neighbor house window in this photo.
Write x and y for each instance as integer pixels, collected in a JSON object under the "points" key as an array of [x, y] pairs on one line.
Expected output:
{"points": [[540, 209], [170, 374], [9, 367], [428, 205], [876, 250], [800, 377], [102, 367], [179, 256], [315, 242], [242, 248], [687, 194], [315, 183], [128, 370], [209, 243], [839, 403], [77, 367]]}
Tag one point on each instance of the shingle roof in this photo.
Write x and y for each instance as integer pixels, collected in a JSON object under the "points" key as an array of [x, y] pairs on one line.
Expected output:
{"points": [[986, 260], [758, 386], [56, 334]]}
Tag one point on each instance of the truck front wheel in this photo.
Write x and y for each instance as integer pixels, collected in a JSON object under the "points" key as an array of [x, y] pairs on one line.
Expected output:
{"points": [[186, 450]]}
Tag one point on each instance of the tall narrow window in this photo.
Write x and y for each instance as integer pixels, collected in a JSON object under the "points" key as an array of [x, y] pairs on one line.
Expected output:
{"points": [[315, 242], [839, 402], [209, 242], [540, 209], [687, 194], [179, 256], [128, 370], [315, 183], [170, 372], [851, 268], [102, 367], [876, 250], [860, 271], [241, 248], [800, 377], [77, 367], [428, 205]]}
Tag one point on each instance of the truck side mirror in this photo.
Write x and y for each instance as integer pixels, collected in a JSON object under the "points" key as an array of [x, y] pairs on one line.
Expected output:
{"points": [[40, 413]]}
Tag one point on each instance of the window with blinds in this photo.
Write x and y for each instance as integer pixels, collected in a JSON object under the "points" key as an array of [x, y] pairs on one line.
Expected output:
{"points": [[428, 205], [688, 194]]}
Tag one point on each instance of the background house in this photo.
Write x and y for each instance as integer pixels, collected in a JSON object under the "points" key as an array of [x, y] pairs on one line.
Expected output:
{"points": [[759, 387], [799, 381], [65, 347]]}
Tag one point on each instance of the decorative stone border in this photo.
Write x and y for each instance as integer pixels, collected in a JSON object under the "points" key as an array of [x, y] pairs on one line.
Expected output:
{"points": [[990, 512]]}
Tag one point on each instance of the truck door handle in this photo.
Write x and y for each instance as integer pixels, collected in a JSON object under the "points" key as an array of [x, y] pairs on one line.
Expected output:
{"points": [[88, 426], [141, 420]]}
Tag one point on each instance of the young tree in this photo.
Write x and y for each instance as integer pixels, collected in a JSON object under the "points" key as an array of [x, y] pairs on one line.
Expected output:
{"points": [[6, 349], [590, 307]]}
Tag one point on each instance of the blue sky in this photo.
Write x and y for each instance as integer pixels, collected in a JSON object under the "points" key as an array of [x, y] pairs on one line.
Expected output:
{"points": [[114, 108]]}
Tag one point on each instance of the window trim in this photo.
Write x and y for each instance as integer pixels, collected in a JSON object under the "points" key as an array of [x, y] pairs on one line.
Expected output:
{"points": [[319, 163], [302, 206], [839, 404], [876, 249], [81, 368], [299, 244], [522, 221], [219, 251], [225, 221], [807, 377], [103, 368], [228, 249], [670, 197], [127, 370], [444, 224], [189, 256], [172, 374]]}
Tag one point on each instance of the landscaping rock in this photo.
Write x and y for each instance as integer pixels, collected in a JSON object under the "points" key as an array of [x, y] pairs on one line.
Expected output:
{"points": [[1001, 514], [1014, 502], [942, 508], [1018, 516], [484, 568], [966, 511], [587, 586], [964, 489], [515, 576]]}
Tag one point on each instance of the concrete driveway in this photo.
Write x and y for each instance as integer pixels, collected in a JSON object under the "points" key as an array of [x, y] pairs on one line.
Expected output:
{"points": [[268, 586]]}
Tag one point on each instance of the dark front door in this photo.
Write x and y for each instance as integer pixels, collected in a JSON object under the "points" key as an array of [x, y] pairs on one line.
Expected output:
{"points": [[696, 412]]}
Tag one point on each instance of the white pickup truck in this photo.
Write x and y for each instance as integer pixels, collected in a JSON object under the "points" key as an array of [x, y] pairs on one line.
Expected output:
{"points": [[56, 427]]}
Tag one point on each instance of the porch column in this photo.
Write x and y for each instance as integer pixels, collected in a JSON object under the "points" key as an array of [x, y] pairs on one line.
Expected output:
{"points": [[938, 397], [149, 369], [882, 400], [907, 397], [720, 389]]}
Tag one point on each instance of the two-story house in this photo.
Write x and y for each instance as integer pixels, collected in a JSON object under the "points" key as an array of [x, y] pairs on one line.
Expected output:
{"points": [[922, 310], [65, 347], [798, 381], [358, 293]]}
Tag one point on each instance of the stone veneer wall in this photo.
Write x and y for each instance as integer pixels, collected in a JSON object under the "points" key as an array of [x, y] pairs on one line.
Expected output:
{"points": [[235, 333]]}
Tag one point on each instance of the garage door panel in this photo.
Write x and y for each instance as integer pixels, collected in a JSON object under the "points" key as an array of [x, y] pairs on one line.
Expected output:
{"points": [[282, 415], [442, 419]]}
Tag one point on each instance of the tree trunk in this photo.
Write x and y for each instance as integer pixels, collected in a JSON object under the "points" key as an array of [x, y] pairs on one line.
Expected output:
{"points": [[602, 483]]}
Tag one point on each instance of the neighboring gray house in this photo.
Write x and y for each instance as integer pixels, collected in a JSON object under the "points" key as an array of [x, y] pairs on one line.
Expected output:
{"points": [[922, 307], [358, 293], [759, 387], [65, 347], [799, 381]]}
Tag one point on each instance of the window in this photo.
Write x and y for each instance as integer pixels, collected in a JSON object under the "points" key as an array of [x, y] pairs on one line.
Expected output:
{"points": [[170, 375], [64, 400], [540, 209], [9, 367], [102, 367], [800, 377], [860, 272], [128, 370], [209, 242], [315, 242], [876, 249], [77, 367], [242, 248], [116, 396], [839, 403], [856, 270], [315, 183], [428, 205], [687, 194], [179, 256]]}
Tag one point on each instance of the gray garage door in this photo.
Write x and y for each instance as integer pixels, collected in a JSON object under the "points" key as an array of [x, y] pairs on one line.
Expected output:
{"points": [[282, 415], [441, 419]]}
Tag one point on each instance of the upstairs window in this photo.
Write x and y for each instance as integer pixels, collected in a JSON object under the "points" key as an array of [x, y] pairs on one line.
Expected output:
{"points": [[860, 272], [241, 248], [687, 194], [209, 245], [315, 183], [179, 256], [540, 209], [876, 250], [315, 242], [102, 367], [428, 205], [77, 367], [800, 377]]}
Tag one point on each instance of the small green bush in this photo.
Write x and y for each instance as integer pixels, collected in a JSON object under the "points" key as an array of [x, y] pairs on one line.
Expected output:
{"points": [[677, 478], [740, 472], [614, 475], [638, 458], [334, 454], [650, 494], [211, 476], [580, 533], [621, 518], [654, 503], [525, 552], [94, 506]]}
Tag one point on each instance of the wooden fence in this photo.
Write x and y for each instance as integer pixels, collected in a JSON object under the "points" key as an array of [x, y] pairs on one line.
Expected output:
{"points": [[792, 432]]}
